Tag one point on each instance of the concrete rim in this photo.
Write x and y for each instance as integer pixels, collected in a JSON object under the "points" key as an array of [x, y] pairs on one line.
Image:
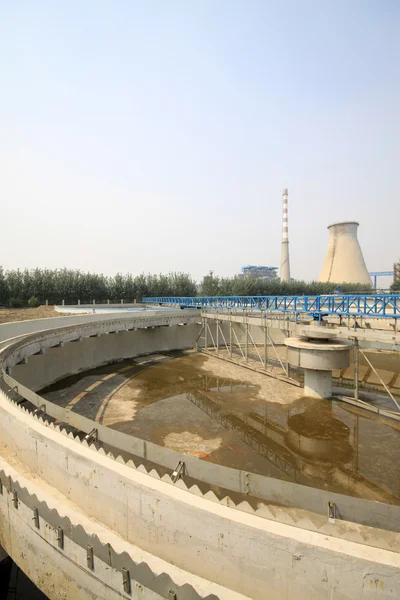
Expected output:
{"points": [[343, 223], [326, 346]]}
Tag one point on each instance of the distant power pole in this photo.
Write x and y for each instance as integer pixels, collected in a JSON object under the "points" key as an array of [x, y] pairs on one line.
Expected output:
{"points": [[285, 264]]}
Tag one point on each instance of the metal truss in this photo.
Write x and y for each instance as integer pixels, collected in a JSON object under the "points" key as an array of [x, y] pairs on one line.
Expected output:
{"points": [[262, 357], [371, 305], [357, 351]]}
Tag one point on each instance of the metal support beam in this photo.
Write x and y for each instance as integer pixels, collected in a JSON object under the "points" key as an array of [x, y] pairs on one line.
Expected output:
{"points": [[356, 368], [265, 346], [247, 342], [222, 334], [199, 336], [254, 344], [211, 335], [238, 343], [276, 353], [380, 379]]}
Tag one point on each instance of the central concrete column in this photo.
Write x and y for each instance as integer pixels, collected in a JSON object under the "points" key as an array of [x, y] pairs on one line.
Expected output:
{"points": [[317, 384], [318, 354]]}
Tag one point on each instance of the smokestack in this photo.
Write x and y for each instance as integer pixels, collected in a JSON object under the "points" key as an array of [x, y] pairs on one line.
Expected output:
{"points": [[285, 265], [344, 261]]}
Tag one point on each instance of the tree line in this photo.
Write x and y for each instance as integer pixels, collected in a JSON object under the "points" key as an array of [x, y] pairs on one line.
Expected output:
{"points": [[236, 286], [33, 287]]}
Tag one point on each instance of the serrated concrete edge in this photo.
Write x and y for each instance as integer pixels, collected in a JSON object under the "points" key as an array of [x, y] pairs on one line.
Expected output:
{"points": [[371, 536], [15, 494]]}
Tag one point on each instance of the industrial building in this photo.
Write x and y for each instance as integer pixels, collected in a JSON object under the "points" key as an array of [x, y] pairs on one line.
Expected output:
{"points": [[258, 272]]}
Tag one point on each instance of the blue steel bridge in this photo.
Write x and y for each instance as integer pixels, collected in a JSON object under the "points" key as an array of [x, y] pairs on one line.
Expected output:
{"points": [[371, 305]]}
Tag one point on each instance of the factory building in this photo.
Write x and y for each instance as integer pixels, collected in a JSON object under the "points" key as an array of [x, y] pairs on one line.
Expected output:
{"points": [[258, 272]]}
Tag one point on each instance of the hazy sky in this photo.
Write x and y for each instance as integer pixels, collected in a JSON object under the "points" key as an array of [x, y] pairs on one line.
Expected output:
{"points": [[158, 135]]}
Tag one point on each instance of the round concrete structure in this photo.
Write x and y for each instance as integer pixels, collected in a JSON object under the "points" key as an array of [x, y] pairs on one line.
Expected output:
{"points": [[78, 514], [344, 261], [318, 357]]}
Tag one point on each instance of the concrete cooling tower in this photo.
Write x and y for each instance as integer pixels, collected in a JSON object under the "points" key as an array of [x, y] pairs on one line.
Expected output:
{"points": [[344, 261]]}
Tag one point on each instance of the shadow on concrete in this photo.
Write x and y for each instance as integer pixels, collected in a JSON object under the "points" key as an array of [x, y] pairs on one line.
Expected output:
{"points": [[20, 587]]}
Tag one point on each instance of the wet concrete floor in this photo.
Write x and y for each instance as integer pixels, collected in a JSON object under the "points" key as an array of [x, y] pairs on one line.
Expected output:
{"points": [[228, 415]]}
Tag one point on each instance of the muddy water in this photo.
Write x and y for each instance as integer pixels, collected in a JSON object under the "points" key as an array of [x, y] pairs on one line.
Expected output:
{"points": [[375, 367], [223, 414]]}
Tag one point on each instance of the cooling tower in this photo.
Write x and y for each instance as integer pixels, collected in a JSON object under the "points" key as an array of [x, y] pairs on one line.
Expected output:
{"points": [[344, 261], [285, 265]]}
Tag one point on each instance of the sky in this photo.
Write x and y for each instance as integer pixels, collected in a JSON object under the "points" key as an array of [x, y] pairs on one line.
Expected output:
{"points": [[155, 136]]}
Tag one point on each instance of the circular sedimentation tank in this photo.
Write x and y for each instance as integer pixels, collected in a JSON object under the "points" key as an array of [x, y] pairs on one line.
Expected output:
{"points": [[127, 439]]}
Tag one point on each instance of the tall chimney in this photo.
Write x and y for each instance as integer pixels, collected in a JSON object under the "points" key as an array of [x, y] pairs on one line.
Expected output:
{"points": [[285, 265]]}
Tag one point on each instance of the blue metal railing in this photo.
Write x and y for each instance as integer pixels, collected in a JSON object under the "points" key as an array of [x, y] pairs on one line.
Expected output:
{"points": [[376, 274], [367, 305]]}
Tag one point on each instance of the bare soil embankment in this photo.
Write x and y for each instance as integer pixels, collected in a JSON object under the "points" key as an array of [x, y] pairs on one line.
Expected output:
{"points": [[9, 315]]}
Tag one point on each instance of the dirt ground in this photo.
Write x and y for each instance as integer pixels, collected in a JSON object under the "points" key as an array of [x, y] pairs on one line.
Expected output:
{"points": [[9, 315]]}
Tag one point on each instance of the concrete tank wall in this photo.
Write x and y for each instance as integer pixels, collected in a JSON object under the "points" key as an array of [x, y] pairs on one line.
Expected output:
{"points": [[344, 261], [244, 552], [18, 328], [43, 369], [62, 571], [55, 572]]}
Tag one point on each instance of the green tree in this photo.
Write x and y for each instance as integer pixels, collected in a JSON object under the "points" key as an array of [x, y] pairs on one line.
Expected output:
{"points": [[4, 294], [211, 285], [236, 286], [395, 287]]}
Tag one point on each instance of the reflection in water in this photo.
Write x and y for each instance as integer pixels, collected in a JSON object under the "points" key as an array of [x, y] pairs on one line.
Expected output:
{"points": [[318, 438], [247, 432], [321, 443], [179, 403]]}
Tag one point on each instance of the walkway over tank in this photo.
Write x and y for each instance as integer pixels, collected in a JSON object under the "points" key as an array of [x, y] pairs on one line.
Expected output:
{"points": [[368, 305]]}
